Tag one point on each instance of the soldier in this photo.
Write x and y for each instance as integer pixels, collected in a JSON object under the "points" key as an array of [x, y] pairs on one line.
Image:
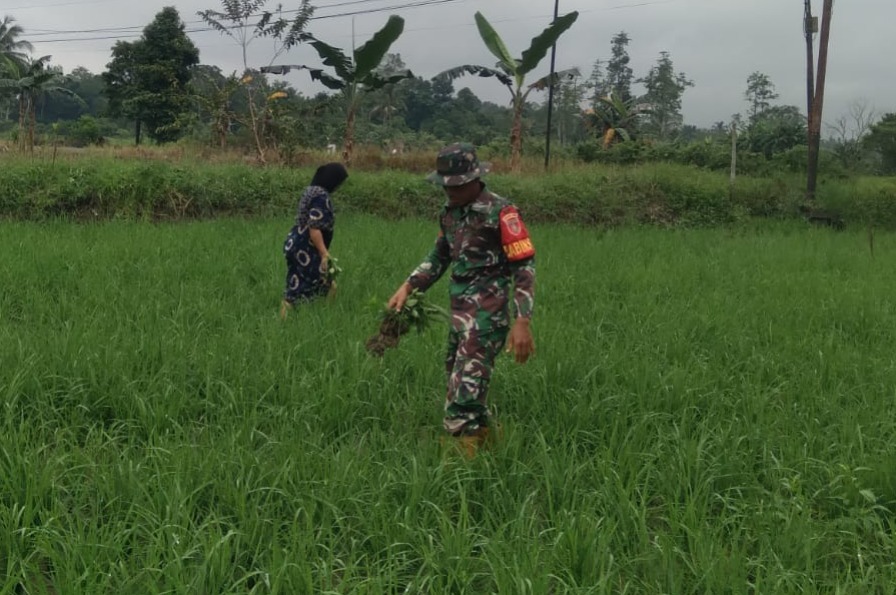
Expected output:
{"points": [[484, 239]]}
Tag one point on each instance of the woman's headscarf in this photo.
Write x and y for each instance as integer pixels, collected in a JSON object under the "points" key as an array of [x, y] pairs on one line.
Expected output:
{"points": [[329, 176]]}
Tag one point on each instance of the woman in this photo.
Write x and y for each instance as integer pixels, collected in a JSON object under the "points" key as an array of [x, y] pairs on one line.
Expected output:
{"points": [[307, 246]]}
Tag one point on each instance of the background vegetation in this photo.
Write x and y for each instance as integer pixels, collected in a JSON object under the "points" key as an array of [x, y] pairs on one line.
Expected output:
{"points": [[609, 115]]}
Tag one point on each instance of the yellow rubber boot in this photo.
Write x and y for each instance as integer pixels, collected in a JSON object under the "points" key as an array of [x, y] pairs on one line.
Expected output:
{"points": [[470, 444]]}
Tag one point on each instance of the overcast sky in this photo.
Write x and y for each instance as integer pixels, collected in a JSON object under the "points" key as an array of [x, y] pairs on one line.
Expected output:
{"points": [[716, 43]]}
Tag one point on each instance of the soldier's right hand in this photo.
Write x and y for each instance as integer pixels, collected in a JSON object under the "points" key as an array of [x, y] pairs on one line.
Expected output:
{"points": [[396, 302], [520, 342]]}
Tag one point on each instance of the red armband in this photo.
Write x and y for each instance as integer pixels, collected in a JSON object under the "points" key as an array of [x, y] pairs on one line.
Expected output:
{"points": [[514, 236]]}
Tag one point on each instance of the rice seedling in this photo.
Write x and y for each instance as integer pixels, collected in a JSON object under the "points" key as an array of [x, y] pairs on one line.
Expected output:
{"points": [[709, 411]]}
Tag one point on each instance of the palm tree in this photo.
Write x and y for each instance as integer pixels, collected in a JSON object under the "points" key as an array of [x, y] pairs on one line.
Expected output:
{"points": [[511, 72], [12, 49], [387, 106], [353, 76], [30, 81], [12, 53]]}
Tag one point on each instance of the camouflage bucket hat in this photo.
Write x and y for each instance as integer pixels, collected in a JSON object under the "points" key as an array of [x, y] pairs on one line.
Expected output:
{"points": [[457, 165]]}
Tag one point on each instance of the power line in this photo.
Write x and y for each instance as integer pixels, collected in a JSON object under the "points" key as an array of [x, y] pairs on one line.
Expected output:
{"points": [[31, 6], [61, 4], [537, 16], [136, 28], [40, 32], [345, 14], [417, 4]]}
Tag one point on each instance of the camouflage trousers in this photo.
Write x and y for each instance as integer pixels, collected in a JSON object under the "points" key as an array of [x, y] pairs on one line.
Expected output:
{"points": [[470, 361]]}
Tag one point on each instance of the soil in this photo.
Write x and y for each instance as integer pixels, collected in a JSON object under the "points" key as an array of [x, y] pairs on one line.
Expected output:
{"points": [[388, 337]]}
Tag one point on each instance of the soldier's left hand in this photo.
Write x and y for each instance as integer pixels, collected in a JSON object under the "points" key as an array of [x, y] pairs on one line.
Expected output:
{"points": [[520, 342]]}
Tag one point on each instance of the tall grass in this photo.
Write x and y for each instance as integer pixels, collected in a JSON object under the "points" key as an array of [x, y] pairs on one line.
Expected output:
{"points": [[165, 187], [708, 411]]}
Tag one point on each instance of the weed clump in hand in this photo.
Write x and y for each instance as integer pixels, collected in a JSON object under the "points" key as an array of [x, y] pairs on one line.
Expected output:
{"points": [[416, 313], [330, 275]]}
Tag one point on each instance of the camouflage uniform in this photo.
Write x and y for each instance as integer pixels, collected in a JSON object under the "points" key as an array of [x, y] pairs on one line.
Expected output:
{"points": [[474, 239]]}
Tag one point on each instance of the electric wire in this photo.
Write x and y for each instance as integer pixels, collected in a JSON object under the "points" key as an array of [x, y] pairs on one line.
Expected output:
{"points": [[128, 32]]}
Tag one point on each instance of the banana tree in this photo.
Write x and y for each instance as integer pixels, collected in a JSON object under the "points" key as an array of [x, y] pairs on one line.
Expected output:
{"points": [[613, 119], [213, 93], [511, 72], [355, 76]]}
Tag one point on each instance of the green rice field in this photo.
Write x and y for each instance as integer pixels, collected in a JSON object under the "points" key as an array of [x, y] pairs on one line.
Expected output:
{"points": [[708, 411]]}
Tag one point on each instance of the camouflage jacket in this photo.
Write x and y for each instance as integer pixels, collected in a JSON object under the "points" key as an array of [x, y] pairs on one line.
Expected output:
{"points": [[485, 259]]}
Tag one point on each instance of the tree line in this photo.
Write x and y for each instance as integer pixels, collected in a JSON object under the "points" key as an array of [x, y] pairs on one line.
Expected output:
{"points": [[155, 87]]}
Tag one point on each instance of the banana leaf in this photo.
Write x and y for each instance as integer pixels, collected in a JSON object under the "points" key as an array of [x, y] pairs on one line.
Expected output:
{"points": [[334, 57], [483, 71], [369, 55], [494, 43], [540, 45]]}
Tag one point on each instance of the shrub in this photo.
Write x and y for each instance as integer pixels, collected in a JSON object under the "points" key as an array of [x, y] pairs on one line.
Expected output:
{"points": [[84, 131], [594, 195]]}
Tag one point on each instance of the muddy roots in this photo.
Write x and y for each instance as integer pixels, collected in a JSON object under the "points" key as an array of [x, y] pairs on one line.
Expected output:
{"points": [[388, 337]]}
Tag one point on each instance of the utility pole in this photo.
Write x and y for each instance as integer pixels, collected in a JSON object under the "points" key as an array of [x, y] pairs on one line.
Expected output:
{"points": [[733, 176], [815, 113], [810, 28], [547, 141]]}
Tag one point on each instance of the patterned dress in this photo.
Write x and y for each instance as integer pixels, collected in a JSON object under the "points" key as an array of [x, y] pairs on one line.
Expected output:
{"points": [[304, 278]]}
